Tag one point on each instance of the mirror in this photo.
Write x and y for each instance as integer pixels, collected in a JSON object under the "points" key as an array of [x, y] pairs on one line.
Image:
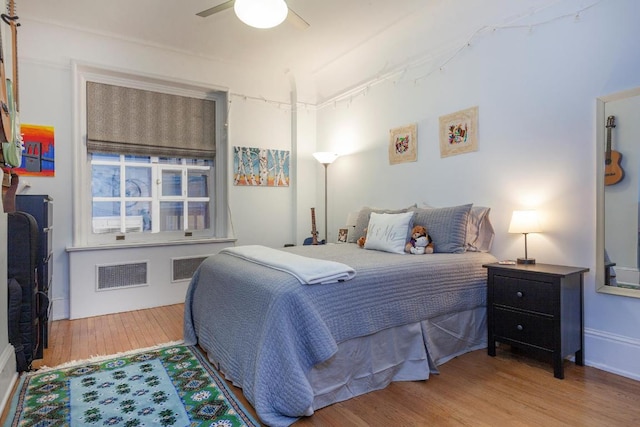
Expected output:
{"points": [[618, 193]]}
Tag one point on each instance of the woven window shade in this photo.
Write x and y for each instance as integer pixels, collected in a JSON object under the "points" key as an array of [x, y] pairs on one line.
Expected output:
{"points": [[123, 120]]}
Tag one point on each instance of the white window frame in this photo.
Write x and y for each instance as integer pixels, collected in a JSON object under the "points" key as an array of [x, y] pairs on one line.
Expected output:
{"points": [[82, 207], [123, 223]]}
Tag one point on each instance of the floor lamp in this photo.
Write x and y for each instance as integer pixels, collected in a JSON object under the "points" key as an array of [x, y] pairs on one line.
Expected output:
{"points": [[326, 158]]}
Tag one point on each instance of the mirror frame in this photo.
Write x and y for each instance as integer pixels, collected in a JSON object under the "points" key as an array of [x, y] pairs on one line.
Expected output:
{"points": [[601, 103]]}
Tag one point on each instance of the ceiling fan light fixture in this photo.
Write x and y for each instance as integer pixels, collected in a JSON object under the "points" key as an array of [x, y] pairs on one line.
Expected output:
{"points": [[261, 13]]}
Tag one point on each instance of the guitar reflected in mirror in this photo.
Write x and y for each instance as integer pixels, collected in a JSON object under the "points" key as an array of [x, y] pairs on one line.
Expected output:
{"points": [[613, 172]]}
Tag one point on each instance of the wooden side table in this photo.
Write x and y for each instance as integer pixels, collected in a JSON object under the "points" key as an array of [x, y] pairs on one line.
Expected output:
{"points": [[537, 307]]}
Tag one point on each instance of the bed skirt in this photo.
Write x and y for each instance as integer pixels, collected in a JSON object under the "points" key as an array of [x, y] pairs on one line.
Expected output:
{"points": [[405, 353]]}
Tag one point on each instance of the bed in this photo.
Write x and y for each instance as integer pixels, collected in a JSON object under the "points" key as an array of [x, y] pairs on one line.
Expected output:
{"points": [[294, 347]]}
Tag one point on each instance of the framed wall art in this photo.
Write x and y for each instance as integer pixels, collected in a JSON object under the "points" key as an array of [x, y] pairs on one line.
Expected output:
{"points": [[403, 144], [260, 167], [38, 157], [459, 132]]}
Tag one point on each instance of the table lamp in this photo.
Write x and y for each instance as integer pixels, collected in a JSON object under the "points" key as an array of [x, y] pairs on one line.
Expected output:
{"points": [[525, 222]]}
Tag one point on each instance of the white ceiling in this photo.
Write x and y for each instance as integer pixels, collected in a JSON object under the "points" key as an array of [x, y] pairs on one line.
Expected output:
{"points": [[348, 41]]}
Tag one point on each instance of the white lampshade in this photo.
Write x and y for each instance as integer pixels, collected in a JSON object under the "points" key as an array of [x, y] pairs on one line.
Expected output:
{"points": [[261, 13], [525, 222], [325, 157]]}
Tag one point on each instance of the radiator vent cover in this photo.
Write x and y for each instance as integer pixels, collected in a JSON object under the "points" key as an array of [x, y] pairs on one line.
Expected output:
{"points": [[118, 276], [184, 268]]}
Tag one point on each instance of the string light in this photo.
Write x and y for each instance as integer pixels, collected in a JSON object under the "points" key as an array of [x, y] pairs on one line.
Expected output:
{"points": [[399, 73], [393, 75]]}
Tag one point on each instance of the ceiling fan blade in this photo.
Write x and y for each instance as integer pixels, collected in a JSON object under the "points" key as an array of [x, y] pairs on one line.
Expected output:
{"points": [[297, 20], [219, 8]]}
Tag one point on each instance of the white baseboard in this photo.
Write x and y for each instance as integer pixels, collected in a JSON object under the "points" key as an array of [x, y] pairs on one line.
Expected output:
{"points": [[8, 374], [612, 353]]}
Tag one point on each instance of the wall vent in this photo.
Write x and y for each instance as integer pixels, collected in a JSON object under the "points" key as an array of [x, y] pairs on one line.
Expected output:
{"points": [[184, 268], [118, 276]]}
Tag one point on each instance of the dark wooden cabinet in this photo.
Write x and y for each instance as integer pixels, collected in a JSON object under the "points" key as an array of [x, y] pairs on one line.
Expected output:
{"points": [[537, 307], [41, 208]]}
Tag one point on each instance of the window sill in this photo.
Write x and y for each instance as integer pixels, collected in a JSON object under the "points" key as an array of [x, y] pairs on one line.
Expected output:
{"points": [[126, 245]]}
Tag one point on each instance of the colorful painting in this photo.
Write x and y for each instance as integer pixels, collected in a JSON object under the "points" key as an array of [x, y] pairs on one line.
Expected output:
{"points": [[403, 145], [459, 132], [260, 167], [38, 157]]}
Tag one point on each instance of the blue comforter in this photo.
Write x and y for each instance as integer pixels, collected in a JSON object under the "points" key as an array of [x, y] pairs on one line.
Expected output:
{"points": [[265, 330]]}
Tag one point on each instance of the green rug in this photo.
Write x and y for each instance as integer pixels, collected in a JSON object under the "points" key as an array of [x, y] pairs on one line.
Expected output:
{"points": [[167, 386]]}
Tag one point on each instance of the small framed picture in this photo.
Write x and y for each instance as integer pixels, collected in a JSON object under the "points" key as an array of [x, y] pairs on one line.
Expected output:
{"points": [[459, 132], [403, 145], [343, 235]]}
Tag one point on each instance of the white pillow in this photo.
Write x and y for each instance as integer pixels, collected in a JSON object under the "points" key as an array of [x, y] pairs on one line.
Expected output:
{"points": [[363, 220], [388, 232], [480, 232]]}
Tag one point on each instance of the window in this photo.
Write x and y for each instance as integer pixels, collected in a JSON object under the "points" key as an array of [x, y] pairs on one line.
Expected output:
{"points": [[149, 171], [158, 195]]}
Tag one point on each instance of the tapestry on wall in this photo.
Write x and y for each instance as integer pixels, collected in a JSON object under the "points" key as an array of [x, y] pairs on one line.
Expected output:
{"points": [[38, 156], [459, 132], [260, 167], [403, 144]]}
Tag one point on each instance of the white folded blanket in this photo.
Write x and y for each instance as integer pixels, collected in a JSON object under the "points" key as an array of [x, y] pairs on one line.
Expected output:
{"points": [[307, 270]]}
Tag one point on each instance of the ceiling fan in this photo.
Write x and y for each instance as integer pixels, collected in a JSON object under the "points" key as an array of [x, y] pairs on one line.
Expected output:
{"points": [[292, 16]]}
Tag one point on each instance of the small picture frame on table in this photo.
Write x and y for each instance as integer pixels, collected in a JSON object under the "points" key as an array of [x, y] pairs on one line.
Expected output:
{"points": [[343, 235]]}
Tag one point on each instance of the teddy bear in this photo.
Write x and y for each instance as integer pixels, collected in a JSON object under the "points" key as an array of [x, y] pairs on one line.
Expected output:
{"points": [[420, 242], [362, 239]]}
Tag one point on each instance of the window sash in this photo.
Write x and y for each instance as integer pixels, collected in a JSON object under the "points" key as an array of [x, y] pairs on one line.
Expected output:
{"points": [[130, 225]]}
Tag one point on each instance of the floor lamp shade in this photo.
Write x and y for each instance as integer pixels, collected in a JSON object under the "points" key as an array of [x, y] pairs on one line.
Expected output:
{"points": [[525, 222], [326, 158]]}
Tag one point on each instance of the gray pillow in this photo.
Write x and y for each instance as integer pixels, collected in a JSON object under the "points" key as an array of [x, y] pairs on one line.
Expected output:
{"points": [[363, 220], [446, 226]]}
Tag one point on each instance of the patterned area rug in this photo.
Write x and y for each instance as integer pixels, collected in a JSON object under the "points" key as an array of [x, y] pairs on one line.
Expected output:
{"points": [[166, 386]]}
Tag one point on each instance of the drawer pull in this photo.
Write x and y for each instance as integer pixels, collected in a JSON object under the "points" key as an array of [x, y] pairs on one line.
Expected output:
{"points": [[519, 327], [519, 294]]}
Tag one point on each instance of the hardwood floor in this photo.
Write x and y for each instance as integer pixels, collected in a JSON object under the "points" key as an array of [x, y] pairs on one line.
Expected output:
{"points": [[471, 390]]}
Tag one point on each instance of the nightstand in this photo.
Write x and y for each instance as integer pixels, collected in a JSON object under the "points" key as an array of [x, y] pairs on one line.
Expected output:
{"points": [[536, 307]]}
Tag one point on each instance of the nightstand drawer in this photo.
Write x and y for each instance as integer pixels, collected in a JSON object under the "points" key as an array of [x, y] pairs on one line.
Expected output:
{"points": [[523, 294], [523, 327]]}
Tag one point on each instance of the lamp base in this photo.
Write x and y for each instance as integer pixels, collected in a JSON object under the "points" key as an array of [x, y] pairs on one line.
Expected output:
{"points": [[526, 260]]}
